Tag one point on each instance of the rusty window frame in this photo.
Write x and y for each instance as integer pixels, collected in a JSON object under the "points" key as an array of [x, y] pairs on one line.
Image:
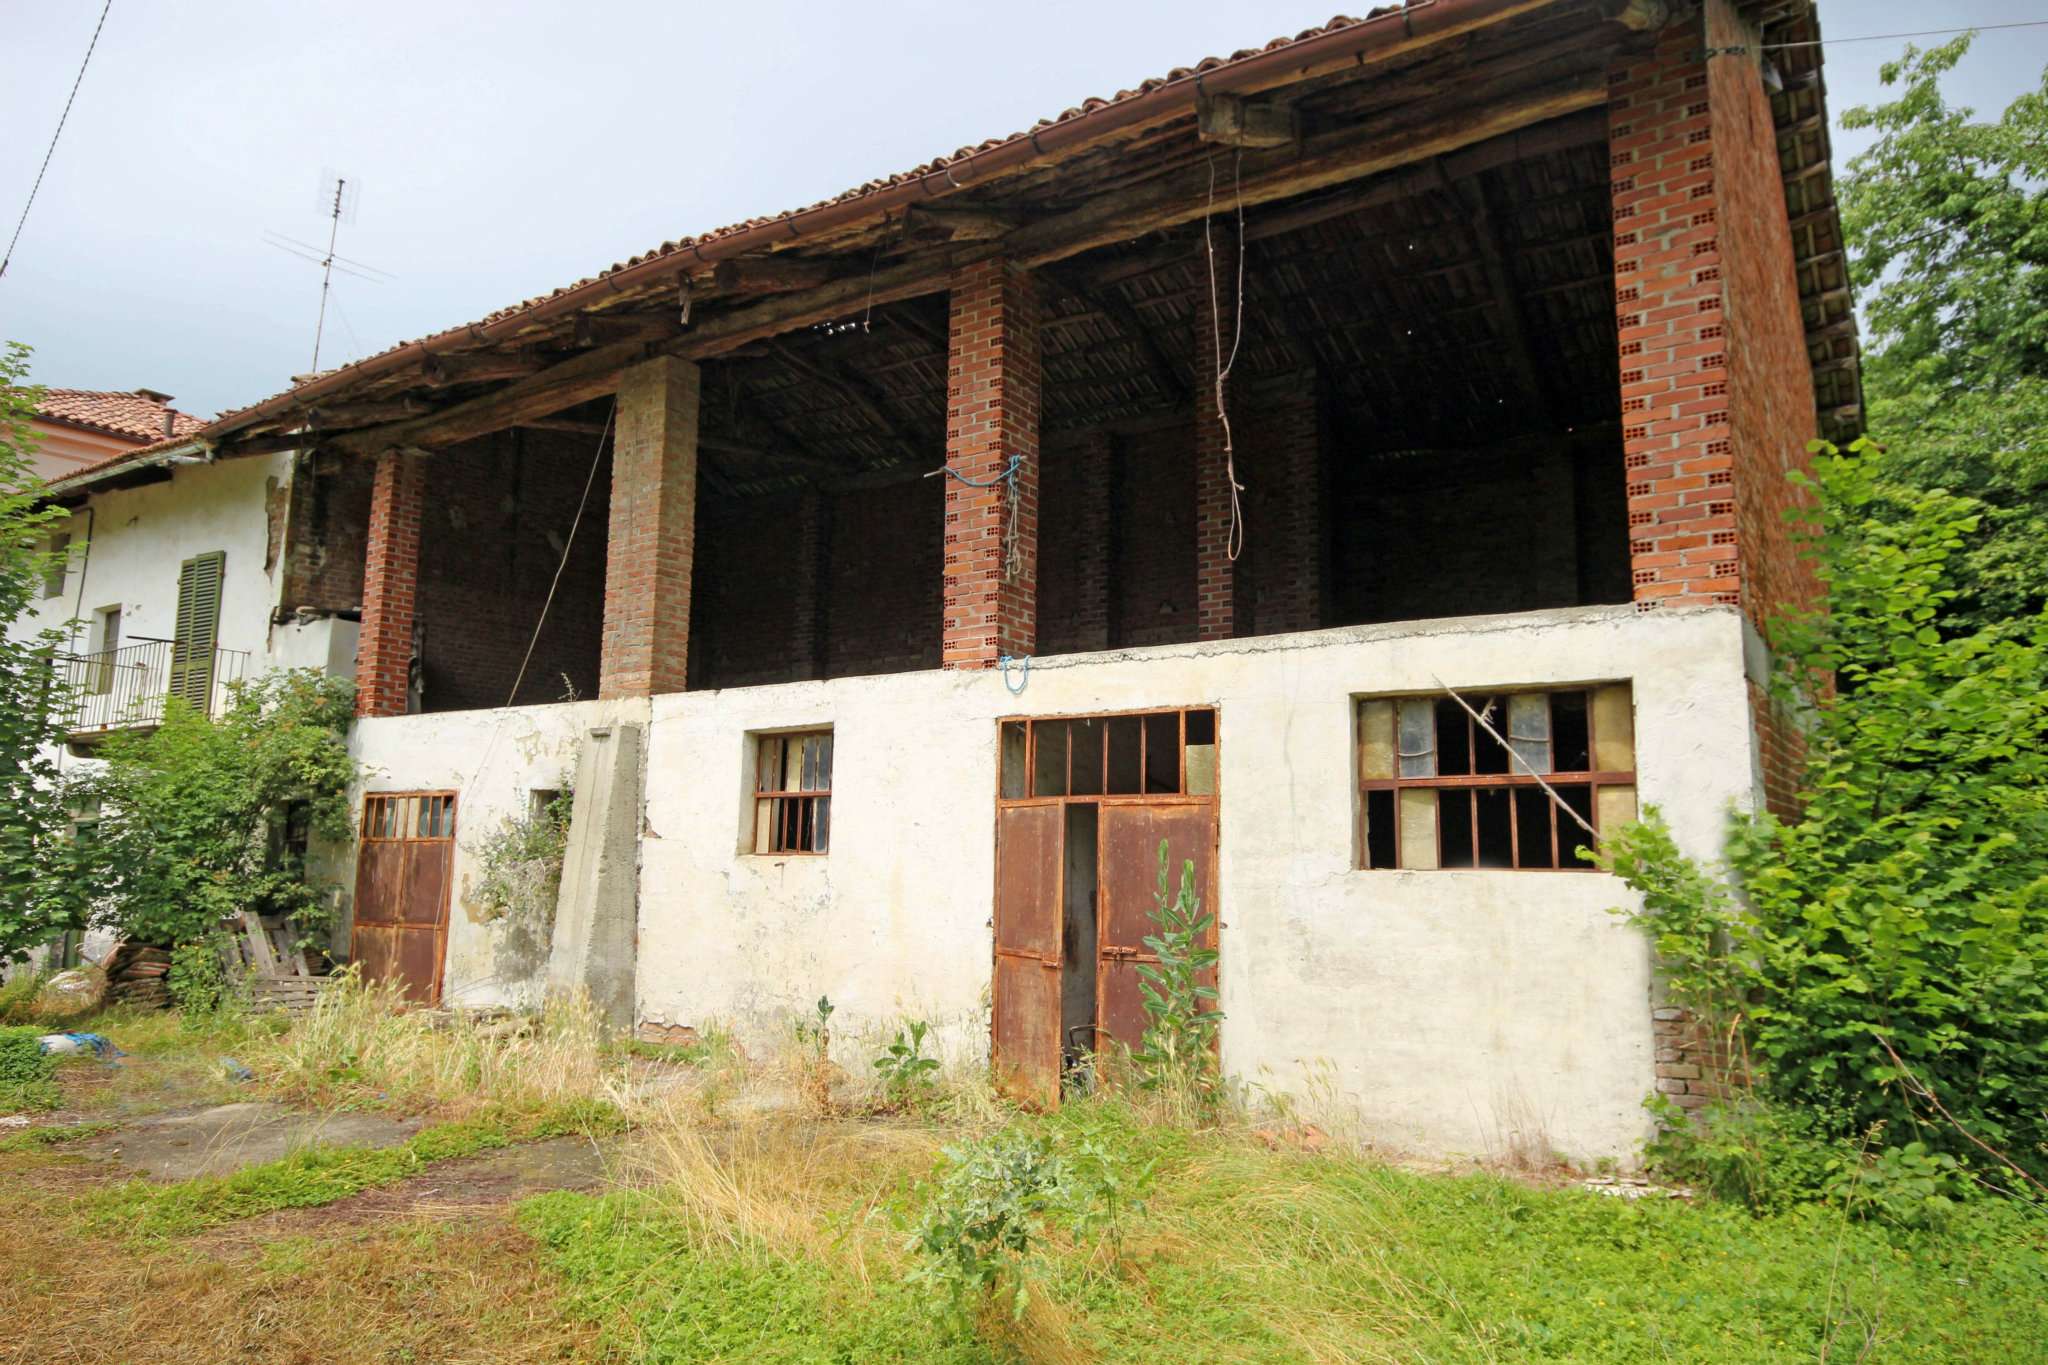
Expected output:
{"points": [[1030, 726], [792, 826], [409, 817], [1591, 779]]}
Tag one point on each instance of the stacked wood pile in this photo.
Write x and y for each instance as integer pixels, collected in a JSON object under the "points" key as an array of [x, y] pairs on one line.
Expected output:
{"points": [[136, 975], [292, 994], [273, 964]]}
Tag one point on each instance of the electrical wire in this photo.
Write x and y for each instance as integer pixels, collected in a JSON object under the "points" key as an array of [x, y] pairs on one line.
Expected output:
{"points": [[1890, 37], [49, 151]]}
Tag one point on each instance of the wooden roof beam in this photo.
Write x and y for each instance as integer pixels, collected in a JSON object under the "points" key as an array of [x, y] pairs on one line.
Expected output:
{"points": [[1334, 159]]}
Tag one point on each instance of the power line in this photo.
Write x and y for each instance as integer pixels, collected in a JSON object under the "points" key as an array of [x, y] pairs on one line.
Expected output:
{"points": [[1922, 33], [76, 81]]}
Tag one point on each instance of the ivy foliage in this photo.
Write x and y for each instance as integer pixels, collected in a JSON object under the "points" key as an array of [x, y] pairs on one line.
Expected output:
{"points": [[1887, 949], [37, 899], [194, 816]]}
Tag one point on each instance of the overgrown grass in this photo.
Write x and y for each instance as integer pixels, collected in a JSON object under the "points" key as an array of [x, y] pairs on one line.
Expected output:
{"points": [[359, 1045], [50, 1135], [321, 1175], [786, 1242], [661, 1294]]}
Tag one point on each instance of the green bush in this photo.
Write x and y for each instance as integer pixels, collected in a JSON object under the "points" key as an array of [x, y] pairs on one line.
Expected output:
{"points": [[1887, 949], [194, 815], [198, 977], [39, 896], [27, 1073]]}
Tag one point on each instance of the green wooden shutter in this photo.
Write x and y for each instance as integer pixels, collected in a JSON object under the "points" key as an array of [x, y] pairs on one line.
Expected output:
{"points": [[198, 629]]}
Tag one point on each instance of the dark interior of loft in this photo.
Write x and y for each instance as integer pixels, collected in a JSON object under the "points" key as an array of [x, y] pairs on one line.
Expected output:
{"points": [[1424, 399]]}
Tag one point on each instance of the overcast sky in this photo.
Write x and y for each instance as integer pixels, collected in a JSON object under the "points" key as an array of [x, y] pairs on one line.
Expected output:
{"points": [[508, 148]]}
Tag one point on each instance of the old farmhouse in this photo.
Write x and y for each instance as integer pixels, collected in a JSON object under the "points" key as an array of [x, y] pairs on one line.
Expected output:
{"points": [[1311, 459]]}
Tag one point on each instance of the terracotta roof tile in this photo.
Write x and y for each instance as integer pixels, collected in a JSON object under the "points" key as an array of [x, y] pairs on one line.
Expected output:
{"points": [[133, 415]]}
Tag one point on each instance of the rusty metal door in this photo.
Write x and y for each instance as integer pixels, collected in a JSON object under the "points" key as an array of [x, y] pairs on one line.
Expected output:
{"points": [[403, 872], [1030, 858], [1128, 883]]}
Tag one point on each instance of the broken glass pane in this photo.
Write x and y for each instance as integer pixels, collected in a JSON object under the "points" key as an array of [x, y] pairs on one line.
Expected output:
{"points": [[1418, 737], [1529, 731]]}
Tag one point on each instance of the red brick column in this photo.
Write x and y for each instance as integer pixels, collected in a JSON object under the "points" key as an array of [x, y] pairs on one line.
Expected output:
{"points": [[1215, 572], [646, 648], [1717, 402], [391, 565], [992, 393], [1094, 461]]}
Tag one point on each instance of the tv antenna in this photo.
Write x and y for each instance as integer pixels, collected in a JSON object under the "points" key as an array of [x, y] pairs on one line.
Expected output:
{"points": [[338, 203]]}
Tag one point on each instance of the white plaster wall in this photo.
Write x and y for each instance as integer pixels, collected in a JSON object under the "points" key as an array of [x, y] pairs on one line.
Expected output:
{"points": [[1454, 1012], [492, 760], [136, 538]]}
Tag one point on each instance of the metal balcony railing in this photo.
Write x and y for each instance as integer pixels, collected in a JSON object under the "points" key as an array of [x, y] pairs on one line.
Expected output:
{"points": [[125, 688]]}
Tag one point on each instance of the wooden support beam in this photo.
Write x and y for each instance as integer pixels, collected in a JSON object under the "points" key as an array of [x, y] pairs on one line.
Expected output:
{"points": [[770, 274], [270, 443], [727, 332], [588, 376], [963, 223], [365, 414], [1234, 121], [441, 371], [575, 426], [601, 330], [1576, 130], [1333, 159]]}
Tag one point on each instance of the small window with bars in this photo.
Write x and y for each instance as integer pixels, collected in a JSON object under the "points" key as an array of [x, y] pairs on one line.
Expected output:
{"points": [[1523, 780], [793, 792]]}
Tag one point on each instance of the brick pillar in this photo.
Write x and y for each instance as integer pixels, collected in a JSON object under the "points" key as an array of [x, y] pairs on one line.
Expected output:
{"points": [[1215, 573], [391, 565], [992, 390], [1717, 401], [1093, 474], [653, 522]]}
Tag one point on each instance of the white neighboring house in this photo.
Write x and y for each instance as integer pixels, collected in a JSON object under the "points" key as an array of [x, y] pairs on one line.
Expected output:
{"points": [[173, 583]]}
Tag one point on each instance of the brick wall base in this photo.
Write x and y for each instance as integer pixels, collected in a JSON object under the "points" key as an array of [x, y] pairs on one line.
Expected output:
{"points": [[1696, 1065]]}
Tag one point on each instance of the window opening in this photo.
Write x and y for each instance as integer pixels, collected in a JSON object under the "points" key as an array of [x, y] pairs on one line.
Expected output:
{"points": [[1437, 791], [793, 793], [59, 565]]}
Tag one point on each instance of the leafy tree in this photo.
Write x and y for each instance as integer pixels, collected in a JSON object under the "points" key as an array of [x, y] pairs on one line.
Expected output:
{"points": [[193, 815], [1889, 947], [1947, 222], [37, 899]]}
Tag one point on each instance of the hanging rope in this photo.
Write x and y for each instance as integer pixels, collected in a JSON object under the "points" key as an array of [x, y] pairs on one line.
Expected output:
{"points": [[596, 458], [1234, 542], [1013, 508]]}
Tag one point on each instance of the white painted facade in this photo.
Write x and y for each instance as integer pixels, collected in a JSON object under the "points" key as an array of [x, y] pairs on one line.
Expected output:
{"points": [[1449, 1011], [127, 544]]}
